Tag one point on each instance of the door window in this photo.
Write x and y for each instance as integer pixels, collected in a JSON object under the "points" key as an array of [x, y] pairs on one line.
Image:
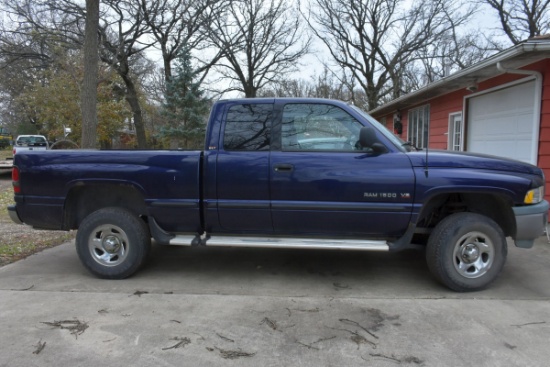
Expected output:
{"points": [[318, 127], [248, 127]]}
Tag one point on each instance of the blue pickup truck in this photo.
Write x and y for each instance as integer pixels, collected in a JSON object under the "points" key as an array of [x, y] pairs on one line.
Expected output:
{"points": [[287, 173]]}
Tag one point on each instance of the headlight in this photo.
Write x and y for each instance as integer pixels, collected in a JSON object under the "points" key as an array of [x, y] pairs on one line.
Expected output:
{"points": [[534, 196]]}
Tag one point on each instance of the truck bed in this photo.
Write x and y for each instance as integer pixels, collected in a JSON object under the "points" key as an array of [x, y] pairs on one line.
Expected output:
{"points": [[168, 181]]}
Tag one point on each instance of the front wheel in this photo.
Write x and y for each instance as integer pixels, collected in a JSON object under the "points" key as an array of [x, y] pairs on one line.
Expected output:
{"points": [[466, 251], [112, 243]]}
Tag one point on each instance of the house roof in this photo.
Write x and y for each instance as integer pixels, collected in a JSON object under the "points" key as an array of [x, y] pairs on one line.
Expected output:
{"points": [[525, 53]]}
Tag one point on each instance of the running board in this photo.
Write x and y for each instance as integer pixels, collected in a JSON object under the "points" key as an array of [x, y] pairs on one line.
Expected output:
{"points": [[287, 243]]}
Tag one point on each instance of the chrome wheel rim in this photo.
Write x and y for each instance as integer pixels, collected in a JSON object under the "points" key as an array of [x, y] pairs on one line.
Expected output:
{"points": [[473, 255], [108, 245]]}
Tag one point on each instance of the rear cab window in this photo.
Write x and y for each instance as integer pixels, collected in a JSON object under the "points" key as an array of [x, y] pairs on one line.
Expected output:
{"points": [[31, 141], [248, 127]]}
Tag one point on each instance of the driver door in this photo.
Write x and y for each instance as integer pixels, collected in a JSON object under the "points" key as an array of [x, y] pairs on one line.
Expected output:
{"points": [[324, 184]]}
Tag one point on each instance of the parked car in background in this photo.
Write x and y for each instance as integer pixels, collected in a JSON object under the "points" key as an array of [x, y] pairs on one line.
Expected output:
{"points": [[30, 142]]}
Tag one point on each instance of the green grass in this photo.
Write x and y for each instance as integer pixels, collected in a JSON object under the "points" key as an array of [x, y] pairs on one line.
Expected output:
{"points": [[6, 153], [6, 198]]}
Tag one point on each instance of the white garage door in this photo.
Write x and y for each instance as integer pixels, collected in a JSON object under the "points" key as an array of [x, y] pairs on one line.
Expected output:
{"points": [[502, 123]]}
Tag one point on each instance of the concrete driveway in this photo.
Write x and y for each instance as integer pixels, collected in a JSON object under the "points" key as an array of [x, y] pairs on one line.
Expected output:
{"points": [[253, 307]]}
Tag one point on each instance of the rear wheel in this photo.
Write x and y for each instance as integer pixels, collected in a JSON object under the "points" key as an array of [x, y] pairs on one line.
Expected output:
{"points": [[112, 243], [466, 251]]}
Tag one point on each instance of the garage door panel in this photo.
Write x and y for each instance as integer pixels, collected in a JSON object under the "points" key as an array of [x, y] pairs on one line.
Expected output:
{"points": [[507, 148], [502, 122]]}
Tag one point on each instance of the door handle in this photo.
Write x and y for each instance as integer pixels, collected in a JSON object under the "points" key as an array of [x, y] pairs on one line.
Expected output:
{"points": [[283, 167]]}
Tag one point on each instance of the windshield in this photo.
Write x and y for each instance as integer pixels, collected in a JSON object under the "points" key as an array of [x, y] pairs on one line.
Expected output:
{"points": [[31, 140], [398, 142]]}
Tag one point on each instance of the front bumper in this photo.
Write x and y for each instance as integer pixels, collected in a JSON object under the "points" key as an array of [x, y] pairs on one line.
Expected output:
{"points": [[531, 221], [12, 211]]}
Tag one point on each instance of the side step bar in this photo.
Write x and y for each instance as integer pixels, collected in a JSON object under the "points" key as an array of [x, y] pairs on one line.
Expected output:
{"points": [[287, 243]]}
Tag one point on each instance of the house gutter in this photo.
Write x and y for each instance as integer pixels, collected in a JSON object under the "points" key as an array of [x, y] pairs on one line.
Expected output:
{"points": [[537, 105], [528, 46]]}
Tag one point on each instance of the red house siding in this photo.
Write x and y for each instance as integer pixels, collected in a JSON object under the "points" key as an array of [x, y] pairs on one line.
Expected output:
{"points": [[441, 107]]}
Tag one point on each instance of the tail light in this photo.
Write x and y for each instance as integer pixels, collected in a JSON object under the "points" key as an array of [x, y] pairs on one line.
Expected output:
{"points": [[15, 180]]}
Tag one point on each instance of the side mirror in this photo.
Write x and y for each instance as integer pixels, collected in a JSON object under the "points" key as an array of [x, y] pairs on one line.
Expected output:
{"points": [[368, 139]]}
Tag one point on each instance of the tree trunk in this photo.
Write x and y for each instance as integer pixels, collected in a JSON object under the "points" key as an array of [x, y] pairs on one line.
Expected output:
{"points": [[91, 71], [250, 91], [133, 101], [372, 97]]}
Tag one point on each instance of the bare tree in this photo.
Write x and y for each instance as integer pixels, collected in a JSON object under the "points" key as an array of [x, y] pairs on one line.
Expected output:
{"points": [[286, 88], [521, 19], [439, 59], [374, 39], [60, 23], [28, 30], [121, 35], [25, 52], [91, 71], [260, 40], [176, 24], [328, 84]]}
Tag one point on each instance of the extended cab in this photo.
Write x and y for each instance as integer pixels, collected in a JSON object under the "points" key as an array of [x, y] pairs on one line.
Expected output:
{"points": [[287, 173]]}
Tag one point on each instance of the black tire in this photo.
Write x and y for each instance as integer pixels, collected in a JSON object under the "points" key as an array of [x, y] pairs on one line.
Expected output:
{"points": [[466, 251], [112, 243]]}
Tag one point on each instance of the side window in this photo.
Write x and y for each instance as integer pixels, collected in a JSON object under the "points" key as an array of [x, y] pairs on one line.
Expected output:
{"points": [[419, 126], [455, 131], [318, 127], [248, 127]]}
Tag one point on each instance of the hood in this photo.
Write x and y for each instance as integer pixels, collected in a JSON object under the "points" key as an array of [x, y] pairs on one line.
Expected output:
{"points": [[446, 159]]}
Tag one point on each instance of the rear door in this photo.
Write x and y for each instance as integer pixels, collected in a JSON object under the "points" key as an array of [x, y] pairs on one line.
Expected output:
{"points": [[242, 168], [323, 184]]}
